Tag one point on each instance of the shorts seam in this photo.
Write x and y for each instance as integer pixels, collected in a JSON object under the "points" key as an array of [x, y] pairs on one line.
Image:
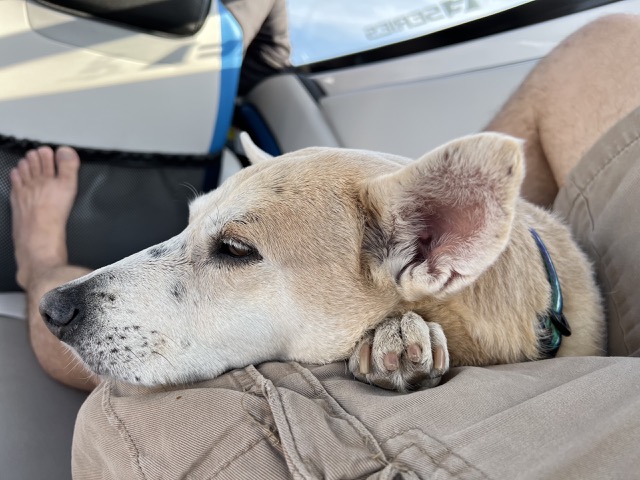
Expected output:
{"points": [[580, 195], [614, 304], [596, 252], [121, 427], [438, 464], [597, 173], [335, 410], [264, 385], [233, 459]]}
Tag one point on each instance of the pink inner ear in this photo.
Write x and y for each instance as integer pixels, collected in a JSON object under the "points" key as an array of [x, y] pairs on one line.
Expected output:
{"points": [[443, 230]]}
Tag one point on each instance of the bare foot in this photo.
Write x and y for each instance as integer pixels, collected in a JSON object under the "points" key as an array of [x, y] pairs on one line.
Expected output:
{"points": [[43, 189]]}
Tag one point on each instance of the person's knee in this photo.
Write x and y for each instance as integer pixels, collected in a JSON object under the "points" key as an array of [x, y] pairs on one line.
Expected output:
{"points": [[615, 21], [607, 50], [609, 27], [598, 57]]}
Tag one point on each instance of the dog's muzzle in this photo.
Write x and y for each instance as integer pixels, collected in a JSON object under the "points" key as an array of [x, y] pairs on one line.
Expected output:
{"points": [[63, 311]]}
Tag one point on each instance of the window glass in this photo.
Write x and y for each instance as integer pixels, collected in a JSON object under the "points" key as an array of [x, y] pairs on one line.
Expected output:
{"points": [[324, 29]]}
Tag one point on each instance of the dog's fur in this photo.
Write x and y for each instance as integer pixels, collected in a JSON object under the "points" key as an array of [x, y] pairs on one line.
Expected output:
{"points": [[298, 257]]}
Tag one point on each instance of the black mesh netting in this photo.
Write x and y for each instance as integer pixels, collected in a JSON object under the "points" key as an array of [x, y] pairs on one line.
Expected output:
{"points": [[126, 202]]}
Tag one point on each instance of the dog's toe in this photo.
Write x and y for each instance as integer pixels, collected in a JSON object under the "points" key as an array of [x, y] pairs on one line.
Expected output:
{"points": [[402, 353]]}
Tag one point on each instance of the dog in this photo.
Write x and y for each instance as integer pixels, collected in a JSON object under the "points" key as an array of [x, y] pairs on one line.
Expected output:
{"points": [[403, 268]]}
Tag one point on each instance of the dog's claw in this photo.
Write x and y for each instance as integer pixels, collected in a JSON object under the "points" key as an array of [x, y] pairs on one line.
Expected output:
{"points": [[402, 353], [438, 358], [414, 353], [365, 359]]}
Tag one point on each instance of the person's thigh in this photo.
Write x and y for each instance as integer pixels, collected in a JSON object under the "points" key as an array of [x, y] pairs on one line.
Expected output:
{"points": [[285, 420], [571, 98], [601, 202]]}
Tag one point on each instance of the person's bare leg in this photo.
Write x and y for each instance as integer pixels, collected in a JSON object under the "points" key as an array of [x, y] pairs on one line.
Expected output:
{"points": [[43, 189], [571, 98]]}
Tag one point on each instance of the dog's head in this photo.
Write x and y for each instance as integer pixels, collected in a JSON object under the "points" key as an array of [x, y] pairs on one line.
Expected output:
{"points": [[294, 258]]}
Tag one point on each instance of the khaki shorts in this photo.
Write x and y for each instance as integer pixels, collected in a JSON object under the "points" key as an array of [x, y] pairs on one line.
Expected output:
{"points": [[601, 203], [569, 418]]}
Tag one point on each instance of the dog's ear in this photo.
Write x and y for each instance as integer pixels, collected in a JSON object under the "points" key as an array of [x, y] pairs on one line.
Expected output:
{"points": [[254, 153], [437, 224]]}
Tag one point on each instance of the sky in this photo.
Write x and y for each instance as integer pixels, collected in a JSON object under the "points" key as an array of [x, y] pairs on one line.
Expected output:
{"points": [[322, 29]]}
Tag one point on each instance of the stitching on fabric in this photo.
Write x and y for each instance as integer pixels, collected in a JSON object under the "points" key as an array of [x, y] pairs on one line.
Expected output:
{"points": [[614, 157], [106, 405], [438, 464], [236, 382], [448, 450], [233, 459], [320, 391], [597, 173], [270, 431], [376, 452], [596, 252], [581, 196], [264, 384], [243, 379], [290, 462]]}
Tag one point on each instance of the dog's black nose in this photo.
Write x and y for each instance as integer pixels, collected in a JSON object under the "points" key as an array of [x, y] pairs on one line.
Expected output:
{"points": [[60, 311]]}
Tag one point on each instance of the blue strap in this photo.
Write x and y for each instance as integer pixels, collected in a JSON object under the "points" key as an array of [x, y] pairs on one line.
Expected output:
{"points": [[553, 324]]}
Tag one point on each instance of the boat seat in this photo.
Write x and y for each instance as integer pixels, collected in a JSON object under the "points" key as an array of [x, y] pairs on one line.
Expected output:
{"points": [[37, 414]]}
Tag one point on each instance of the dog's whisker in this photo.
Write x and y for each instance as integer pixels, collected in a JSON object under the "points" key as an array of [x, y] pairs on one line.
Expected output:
{"points": [[158, 353], [137, 357], [69, 367], [191, 188], [166, 337], [77, 365], [86, 377], [74, 361]]}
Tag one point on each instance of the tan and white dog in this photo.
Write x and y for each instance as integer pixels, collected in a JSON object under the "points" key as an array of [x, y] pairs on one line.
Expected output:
{"points": [[315, 255]]}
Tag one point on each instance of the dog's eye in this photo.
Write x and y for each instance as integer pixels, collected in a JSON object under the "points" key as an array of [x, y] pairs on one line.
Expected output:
{"points": [[233, 252], [235, 249]]}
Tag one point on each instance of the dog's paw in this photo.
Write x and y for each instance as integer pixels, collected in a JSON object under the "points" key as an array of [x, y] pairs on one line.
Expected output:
{"points": [[402, 353]]}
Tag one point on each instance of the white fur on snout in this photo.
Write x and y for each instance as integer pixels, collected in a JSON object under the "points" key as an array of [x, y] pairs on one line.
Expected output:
{"points": [[135, 322]]}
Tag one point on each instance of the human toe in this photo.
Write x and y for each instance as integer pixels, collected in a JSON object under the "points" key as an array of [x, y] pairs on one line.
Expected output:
{"points": [[16, 180], [35, 165], [68, 162], [16, 185], [24, 170], [46, 161]]}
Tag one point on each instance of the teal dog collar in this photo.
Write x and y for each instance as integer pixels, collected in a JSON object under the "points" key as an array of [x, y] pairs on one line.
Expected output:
{"points": [[553, 324]]}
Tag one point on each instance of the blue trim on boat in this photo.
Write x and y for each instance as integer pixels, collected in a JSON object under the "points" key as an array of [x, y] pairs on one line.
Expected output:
{"points": [[231, 36], [259, 130]]}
